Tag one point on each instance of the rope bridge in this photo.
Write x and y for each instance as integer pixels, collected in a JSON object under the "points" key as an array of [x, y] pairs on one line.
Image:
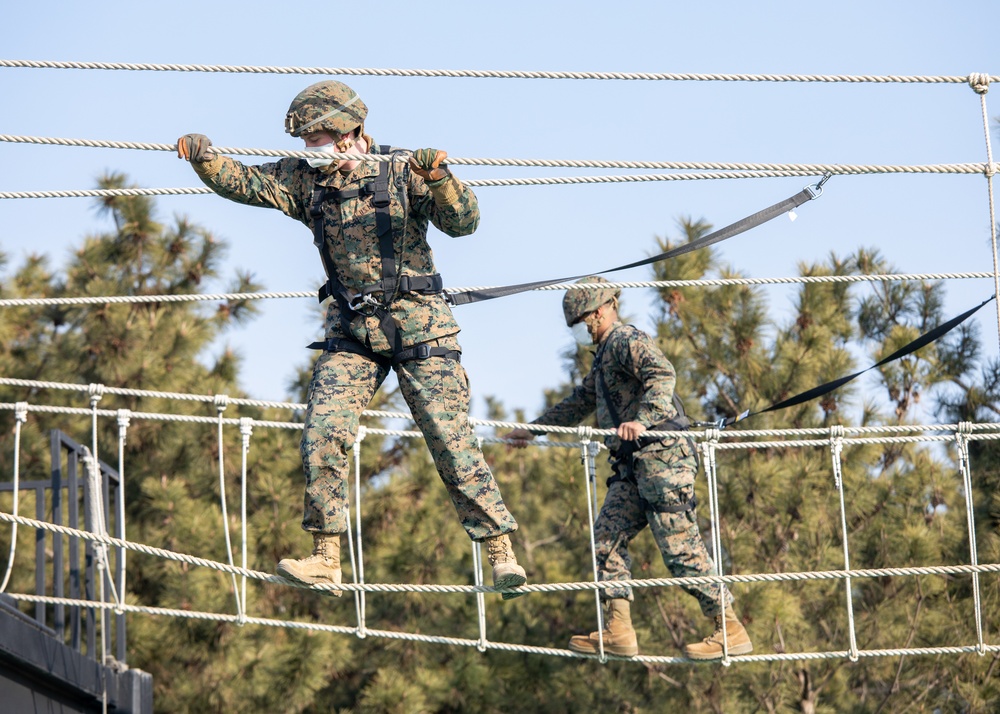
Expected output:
{"points": [[710, 441]]}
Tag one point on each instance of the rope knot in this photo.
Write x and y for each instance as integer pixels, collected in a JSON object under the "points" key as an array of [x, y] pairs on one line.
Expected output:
{"points": [[965, 427], [96, 391], [124, 418], [221, 402], [21, 411], [586, 433], [980, 82]]}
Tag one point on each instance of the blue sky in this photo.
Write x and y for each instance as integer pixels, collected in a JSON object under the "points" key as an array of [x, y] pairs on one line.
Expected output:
{"points": [[921, 223]]}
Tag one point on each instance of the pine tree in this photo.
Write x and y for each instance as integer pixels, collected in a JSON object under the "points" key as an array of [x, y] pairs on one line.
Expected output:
{"points": [[779, 507], [171, 474]]}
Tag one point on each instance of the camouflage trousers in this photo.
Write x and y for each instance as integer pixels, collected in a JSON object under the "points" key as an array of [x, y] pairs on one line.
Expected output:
{"points": [[437, 391], [661, 478]]}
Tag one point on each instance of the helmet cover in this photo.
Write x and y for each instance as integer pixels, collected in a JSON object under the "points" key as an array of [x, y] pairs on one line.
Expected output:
{"points": [[329, 106], [577, 303]]}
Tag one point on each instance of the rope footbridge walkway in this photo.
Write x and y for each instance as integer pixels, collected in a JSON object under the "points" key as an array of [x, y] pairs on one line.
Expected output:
{"points": [[711, 441]]}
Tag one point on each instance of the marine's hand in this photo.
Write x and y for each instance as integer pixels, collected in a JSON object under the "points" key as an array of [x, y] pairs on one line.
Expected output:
{"points": [[426, 163], [194, 147], [630, 430], [519, 438]]}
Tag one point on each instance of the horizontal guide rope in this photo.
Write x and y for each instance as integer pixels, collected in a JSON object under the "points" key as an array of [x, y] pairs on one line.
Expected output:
{"points": [[851, 435], [311, 294], [792, 576], [974, 78], [500, 646], [805, 169]]}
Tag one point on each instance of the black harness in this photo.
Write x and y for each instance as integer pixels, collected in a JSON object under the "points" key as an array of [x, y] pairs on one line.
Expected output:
{"points": [[373, 299], [622, 459]]}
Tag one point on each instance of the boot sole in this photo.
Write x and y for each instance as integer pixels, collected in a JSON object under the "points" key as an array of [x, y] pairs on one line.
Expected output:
{"points": [[608, 649], [511, 580], [737, 650], [304, 580]]}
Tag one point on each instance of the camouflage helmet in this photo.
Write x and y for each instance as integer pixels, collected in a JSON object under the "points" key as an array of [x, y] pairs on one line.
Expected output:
{"points": [[577, 303], [325, 106]]}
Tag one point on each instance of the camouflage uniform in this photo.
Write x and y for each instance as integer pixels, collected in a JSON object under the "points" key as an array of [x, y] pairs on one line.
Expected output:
{"points": [[640, 382], [343, 383]]}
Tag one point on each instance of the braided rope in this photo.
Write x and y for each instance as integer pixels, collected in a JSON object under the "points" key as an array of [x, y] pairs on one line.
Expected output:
{"points": [[483, 645], [659, 284], [794, 576], [800, 169], [502, 74], [980, 84], [991, 431]]}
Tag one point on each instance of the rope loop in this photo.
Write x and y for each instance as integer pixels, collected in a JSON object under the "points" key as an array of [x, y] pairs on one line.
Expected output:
{"points": [[964, 427], [221, 402], [980, 82], [586, 434], [21, 411]]}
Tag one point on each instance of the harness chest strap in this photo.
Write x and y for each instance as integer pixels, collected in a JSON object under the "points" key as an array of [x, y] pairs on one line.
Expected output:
{"points": [[622, 457], [390, 285]]}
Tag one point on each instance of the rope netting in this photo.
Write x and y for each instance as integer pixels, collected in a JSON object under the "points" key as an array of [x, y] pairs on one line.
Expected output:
{"points": [[710, 441]]}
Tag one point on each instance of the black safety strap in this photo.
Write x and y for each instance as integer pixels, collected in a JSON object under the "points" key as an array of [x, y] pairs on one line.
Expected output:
{"points": [[810, 394], [333, 287], [390, 285], [622, 457], [680, 422], [421, 351], [745, 224], [335, 344]]}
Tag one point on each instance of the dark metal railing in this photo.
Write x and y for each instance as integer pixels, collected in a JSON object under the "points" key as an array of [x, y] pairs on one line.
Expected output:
{"points": [[60, 501]]}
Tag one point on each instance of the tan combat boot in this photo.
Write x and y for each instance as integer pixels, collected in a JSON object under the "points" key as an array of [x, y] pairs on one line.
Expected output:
{"points": [[619, 637], [737, 639], [320, 568], [506, 572]]}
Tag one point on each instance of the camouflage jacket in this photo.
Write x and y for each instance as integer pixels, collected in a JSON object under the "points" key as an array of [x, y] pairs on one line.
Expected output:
{"points": [[640, 385], [351, 239]]}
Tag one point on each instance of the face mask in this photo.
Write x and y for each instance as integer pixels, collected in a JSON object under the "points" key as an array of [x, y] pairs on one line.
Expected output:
{"points": [[325, 149], [581, 334]]}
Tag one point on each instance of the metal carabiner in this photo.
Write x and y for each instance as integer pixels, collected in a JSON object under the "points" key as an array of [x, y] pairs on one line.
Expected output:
{"points": [[364, 304]]}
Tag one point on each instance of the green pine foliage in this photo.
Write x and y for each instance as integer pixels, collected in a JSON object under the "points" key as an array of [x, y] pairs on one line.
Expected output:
{"points": [[779, 506]]}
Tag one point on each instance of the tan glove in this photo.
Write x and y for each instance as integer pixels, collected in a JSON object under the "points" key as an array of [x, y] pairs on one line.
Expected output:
{"points": [[194, 148], [426, 163]]}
